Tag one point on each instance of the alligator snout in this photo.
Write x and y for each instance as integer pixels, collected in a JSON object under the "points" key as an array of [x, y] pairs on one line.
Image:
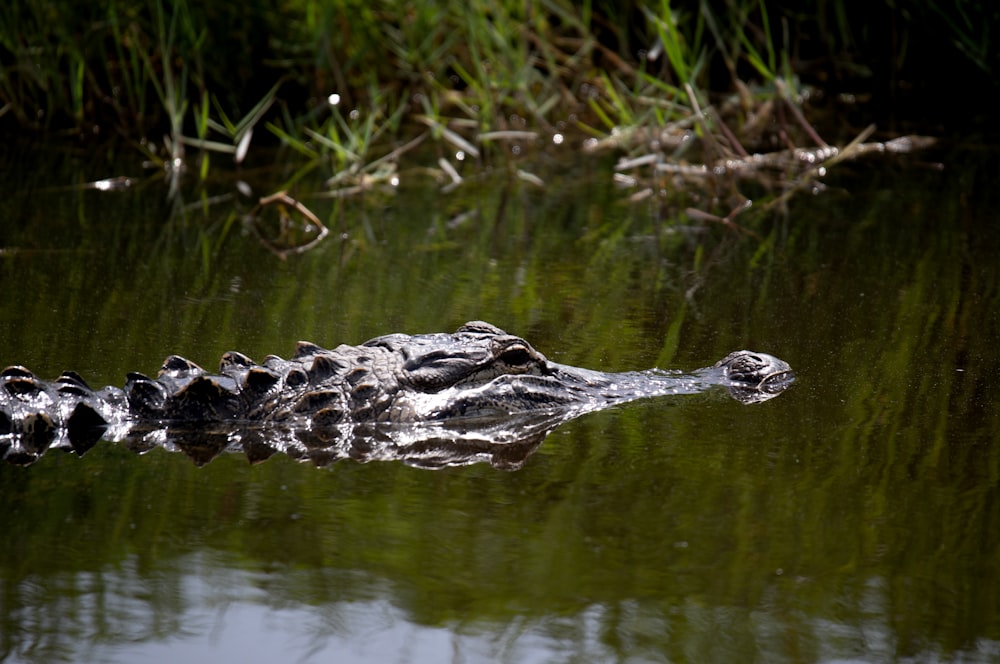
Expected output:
{"points": [[754, 377]]}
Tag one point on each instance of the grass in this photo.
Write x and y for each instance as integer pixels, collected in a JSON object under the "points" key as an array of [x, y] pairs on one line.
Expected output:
{"points": [[351, 87]]}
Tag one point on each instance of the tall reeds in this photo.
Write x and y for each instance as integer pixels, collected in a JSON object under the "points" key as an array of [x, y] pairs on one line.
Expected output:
{"points": [[350, 86]]}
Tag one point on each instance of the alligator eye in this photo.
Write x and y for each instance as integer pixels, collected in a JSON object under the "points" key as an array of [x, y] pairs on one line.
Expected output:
{"points": [[515, 356]]}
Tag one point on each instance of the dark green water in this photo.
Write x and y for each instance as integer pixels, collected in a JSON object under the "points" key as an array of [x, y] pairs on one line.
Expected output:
{"points": [[853, 518]]}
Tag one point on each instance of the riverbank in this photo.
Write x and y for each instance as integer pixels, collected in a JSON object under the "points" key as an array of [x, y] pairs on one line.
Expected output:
{"points": [[686, 96]]}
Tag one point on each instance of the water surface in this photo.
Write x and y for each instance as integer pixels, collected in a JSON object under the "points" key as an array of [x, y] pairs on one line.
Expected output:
{"points": [[853, 518]]}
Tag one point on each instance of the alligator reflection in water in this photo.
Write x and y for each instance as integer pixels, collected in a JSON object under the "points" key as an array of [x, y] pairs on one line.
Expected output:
{"points": [[430, 400], [504, 443]]}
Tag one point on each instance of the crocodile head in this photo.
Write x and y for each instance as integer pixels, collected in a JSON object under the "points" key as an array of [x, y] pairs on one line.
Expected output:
{"points": [[465, 373], [482, 371], [474, 356]]}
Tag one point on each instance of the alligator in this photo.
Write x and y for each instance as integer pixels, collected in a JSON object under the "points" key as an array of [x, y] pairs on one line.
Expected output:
{"points": [[427, 399]]}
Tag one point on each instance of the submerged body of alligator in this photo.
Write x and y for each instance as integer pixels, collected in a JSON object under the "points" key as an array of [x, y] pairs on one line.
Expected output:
{"points": [[450, 398]]}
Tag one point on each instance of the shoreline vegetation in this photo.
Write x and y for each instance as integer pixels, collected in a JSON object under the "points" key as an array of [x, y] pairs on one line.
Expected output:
{"points": [[684, 94]]}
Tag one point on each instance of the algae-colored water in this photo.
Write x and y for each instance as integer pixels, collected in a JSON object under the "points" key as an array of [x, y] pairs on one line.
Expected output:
{"points": [[853, 518]]}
